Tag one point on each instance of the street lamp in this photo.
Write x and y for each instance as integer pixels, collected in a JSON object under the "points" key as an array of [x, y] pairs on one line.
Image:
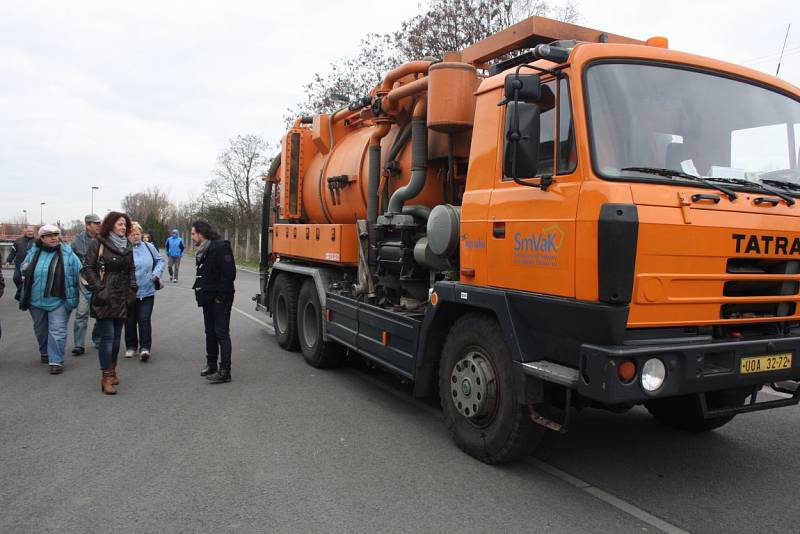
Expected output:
{"points": [[41, 213], [94, 188], [25, 213]]}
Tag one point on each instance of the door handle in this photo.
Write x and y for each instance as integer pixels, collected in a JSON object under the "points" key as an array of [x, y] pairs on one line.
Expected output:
{"points": [[499, 230]]}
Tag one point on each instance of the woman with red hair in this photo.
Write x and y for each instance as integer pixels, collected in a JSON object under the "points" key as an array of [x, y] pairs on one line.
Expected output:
{"points": [[110, 273]]}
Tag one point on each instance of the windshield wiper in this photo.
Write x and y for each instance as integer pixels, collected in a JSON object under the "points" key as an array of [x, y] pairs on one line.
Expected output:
{"points": [[670, 173], [747, 183], [791, 186]]}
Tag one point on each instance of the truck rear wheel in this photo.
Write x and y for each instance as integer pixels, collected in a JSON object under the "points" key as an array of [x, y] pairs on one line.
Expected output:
{"points": [[476, 384], [684, 412], [284, 311], [317, 352]]}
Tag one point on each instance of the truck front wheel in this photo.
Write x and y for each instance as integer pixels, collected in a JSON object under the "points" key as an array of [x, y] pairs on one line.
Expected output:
{"points": [[317, 352], [684, 412], [284, 311], [476, 385]]}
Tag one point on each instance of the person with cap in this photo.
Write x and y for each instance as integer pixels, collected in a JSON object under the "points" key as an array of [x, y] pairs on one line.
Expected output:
{"points": [[80, 245], [174, 248], [50, 292], [18, 251], [111, 275]]}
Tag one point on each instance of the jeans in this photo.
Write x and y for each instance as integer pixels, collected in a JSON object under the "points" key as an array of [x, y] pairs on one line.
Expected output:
{"points": [[110, 333], [50, 328], [139, 313], [82, 320], [173, 264], [217, 319]]}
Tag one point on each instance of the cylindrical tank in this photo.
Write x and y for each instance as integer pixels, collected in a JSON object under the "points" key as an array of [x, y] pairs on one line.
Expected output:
{"points": [[349, 159], [451, 97]]}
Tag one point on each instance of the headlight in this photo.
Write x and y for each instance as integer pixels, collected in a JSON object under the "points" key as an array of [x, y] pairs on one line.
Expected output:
{"points": [[653, 374]]}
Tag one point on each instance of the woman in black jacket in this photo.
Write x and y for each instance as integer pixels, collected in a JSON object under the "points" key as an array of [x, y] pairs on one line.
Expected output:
{"points": [[213, 289], [110, 273]]}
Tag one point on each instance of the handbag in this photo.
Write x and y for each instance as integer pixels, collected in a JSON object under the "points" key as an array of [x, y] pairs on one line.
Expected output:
{"points": [[101, 268], [156, 281]]}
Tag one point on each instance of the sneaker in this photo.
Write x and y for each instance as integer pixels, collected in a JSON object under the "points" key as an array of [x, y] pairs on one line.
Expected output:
{"points": [[43, 358], [77, 351], [208, 371], [175, 281], [130, 353], [223, 375], [144, 355], [56, 369]]}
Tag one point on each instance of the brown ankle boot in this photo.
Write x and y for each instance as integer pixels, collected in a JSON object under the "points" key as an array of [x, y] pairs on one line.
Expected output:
{"points": [[107, 384], [115, 379]]}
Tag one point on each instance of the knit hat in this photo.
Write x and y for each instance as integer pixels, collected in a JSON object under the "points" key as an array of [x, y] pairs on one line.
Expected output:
{"points": [[48, 229]]}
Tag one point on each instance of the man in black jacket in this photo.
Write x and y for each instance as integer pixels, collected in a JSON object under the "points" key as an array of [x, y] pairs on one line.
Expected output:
{"points": [[213, 289], [18, 251]]}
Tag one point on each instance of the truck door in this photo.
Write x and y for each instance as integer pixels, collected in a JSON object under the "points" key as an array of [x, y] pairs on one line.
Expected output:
{"points": [[531, 231]]}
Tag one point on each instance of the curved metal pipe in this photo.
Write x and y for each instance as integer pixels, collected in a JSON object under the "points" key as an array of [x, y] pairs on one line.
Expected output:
{"points": [[393, 97], [412, 67], [419, 161]]}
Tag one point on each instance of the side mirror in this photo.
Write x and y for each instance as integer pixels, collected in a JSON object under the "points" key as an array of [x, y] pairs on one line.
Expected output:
{"points": [[522, 140], [522, 87]]}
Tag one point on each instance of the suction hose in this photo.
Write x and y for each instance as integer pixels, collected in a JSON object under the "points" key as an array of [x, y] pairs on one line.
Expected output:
{"points": [[419, 167]]}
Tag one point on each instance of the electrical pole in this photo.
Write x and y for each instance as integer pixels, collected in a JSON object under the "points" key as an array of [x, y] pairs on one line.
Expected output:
{"points": [[41, 213], [94, 188]]}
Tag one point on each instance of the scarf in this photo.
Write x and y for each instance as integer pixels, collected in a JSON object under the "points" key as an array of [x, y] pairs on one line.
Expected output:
{"points": [[120, 242], [55, 284], [201, 250]]}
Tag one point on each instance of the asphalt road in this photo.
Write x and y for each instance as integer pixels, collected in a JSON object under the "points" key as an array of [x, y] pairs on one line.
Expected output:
{"points": [[288, 448]]}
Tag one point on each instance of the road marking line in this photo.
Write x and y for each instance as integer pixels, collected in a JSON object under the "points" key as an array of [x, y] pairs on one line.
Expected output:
{"points": [[594, 491], [608, 498], [255, 319]]}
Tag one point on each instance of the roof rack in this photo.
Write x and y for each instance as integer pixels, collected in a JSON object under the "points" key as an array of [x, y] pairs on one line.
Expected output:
{"points": [[529, 33]]}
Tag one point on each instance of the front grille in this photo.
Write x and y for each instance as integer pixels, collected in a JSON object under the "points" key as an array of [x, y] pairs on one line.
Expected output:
{"points": [[754, 288], [760, 289]]}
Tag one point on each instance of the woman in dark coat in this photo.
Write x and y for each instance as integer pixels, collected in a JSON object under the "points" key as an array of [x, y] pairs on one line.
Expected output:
{"points": [[213, 290], [110, 273]]}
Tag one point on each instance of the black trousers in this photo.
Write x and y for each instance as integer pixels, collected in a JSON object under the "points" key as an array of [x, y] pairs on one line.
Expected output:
{"points": [[217, 319]]}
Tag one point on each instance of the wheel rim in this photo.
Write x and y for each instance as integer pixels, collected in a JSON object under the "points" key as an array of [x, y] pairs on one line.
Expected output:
{"points": [[281, 313], [473, 387], [310, 324]]}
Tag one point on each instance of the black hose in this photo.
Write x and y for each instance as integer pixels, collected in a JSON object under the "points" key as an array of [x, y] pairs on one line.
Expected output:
{"points": [[266, 216], [397, 147], [419, 167]]}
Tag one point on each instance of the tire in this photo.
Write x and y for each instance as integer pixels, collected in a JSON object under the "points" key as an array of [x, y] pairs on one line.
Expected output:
{"points": [[317, 352], [501, 430], [684, 412], [284, 311]]}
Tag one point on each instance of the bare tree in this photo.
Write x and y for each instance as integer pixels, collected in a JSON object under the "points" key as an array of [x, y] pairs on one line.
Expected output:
{"points": [[442, 26], [238, 178], [152, 202]]}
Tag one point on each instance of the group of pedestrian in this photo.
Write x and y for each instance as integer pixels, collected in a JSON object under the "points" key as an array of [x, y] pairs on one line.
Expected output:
{"points": [[112, 272]]}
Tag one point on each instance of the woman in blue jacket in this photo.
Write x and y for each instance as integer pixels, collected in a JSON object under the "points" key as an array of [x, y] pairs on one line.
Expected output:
{"points": [[149, 267], [50, 292]]}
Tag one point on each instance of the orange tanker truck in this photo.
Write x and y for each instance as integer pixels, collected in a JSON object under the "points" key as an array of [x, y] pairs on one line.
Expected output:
{"points": [[553, 218]]}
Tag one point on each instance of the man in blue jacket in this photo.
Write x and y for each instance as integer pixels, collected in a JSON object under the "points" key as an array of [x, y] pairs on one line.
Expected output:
{"points": [[174, 247], [50, 292]]}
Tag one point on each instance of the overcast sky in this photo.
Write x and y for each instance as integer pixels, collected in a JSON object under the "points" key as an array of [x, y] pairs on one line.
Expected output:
{"points": [[128, 95]]}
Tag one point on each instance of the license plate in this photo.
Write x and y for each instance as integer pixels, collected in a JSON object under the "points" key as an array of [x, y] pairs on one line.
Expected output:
{"points": [[764, 364]]}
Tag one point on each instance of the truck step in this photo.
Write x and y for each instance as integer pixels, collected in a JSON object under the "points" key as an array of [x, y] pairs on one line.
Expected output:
{"points": [[786, 386], [552, 372]]}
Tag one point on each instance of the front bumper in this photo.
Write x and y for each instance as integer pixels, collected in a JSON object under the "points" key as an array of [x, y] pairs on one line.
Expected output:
{"points": [[692, 367]]}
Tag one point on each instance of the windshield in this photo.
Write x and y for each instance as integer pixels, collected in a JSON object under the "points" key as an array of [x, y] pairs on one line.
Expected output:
{"points": [[694, 122]]}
